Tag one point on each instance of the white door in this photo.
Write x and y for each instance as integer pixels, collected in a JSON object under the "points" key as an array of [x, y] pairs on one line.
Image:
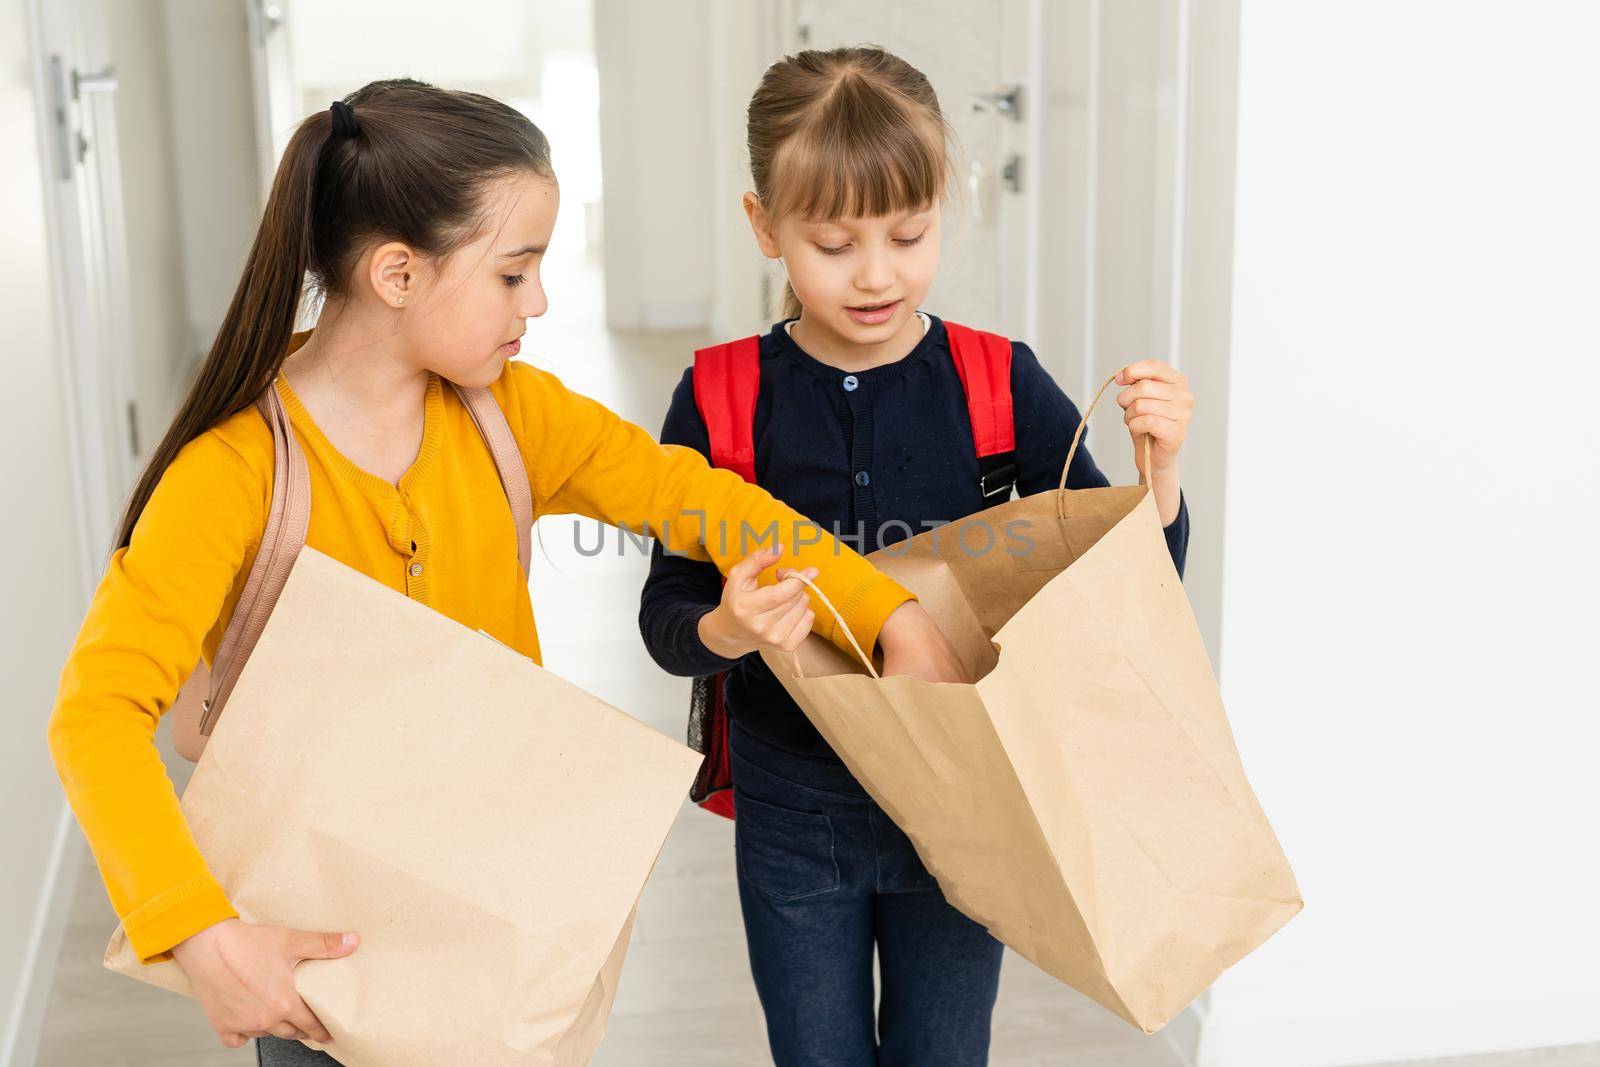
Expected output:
{"points": [[1113, 139], [76, 77]]}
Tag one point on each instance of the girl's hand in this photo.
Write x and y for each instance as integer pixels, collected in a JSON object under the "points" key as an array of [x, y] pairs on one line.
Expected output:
{"points": [[751, 617], [1157, 403], [243, 976], [913, 644]]}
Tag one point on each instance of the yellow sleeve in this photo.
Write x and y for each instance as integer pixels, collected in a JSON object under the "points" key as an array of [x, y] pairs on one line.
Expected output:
{"points": [[584, 458], [158, 600]]}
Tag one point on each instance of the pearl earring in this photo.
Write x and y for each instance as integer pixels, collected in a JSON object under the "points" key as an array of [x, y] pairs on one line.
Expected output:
{"points": [[400, 302]]}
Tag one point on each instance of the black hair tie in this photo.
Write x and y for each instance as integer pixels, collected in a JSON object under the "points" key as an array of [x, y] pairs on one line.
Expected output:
{"points": [[344, 120]]}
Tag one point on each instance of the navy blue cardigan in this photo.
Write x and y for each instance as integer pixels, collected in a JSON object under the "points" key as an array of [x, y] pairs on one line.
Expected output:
{"points": [[872, 457]]}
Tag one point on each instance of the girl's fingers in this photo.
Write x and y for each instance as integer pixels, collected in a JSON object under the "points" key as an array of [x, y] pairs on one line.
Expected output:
{"points": [[311, 945], [1167, 431], [778, 620], [1176, 410], [1148, 389], [775, 597], [810, 573], [308, 1023], [1148, 368], [800, 631], [233, 1040], [783, 592], [753, 564], [784, 625]]}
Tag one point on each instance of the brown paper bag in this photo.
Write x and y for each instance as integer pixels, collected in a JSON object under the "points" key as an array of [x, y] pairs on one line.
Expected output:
{"points": [[484, 825], [1084, 799]]}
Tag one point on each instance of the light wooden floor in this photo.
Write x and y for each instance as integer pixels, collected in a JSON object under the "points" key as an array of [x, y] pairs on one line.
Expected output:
{"points": [[686, 996]]}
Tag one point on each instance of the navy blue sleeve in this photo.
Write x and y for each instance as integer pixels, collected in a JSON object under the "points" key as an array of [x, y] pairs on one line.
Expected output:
{"points": [[1045, 421], [680, 591]]}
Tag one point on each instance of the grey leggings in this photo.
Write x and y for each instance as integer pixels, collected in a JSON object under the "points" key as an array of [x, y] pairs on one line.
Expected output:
{"points": [[276, 1052]]}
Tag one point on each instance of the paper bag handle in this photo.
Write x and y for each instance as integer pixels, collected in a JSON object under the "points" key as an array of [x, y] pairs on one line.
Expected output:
{"points": [[1083, 424], [866, 659]]}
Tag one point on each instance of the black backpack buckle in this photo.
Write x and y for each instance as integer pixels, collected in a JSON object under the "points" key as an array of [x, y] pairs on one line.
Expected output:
{"points": [[997, 474]]}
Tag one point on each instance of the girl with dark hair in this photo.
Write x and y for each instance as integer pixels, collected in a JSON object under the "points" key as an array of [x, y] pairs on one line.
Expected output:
{"points": [[420, 215]]}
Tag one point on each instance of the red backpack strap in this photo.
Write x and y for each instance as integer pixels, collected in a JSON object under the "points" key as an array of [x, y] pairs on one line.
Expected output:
{"points": [[727, 378], [983, 362]]}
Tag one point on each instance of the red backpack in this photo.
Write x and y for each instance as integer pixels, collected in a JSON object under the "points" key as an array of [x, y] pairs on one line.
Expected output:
{"points": [[727, 378]]}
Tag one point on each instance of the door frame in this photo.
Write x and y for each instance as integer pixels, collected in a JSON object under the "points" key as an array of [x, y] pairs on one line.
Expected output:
{"points": [[90, 272], [95, 402], [273, 86]]}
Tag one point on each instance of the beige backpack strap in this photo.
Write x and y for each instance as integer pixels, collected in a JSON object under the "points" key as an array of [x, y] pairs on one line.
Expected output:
{"points": [[496, 432], [281, 541]]}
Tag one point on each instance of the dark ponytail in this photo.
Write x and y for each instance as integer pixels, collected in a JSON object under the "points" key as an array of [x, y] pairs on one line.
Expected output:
{"points": [[401, 160]]}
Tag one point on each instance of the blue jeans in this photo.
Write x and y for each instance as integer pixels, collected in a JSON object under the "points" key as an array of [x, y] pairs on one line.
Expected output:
{"points": [[824, 877]]}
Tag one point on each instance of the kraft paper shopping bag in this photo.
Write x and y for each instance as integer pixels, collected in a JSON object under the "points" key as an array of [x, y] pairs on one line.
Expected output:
{"points": [[1084, 799], [484, 825]]}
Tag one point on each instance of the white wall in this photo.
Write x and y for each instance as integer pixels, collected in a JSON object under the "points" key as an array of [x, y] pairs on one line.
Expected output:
{"points": [[493, 46], [1409, 584], [338, 46], [745, 38], [39, 544], [214, 139], [1210, 111], [656, 149]]}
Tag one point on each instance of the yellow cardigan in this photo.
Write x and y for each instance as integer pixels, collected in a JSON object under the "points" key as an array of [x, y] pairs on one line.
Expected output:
{"points": [[443, 536]]}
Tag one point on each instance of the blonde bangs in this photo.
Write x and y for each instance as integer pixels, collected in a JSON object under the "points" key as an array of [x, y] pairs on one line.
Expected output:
{"points": [[862, 152]]}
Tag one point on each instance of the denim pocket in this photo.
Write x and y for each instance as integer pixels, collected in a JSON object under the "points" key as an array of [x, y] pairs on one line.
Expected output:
{"points": [[788, 855]]}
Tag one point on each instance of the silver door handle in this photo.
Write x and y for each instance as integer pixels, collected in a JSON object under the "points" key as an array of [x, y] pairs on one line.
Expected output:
{"points": [[1007, 102], [103, 80]]}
